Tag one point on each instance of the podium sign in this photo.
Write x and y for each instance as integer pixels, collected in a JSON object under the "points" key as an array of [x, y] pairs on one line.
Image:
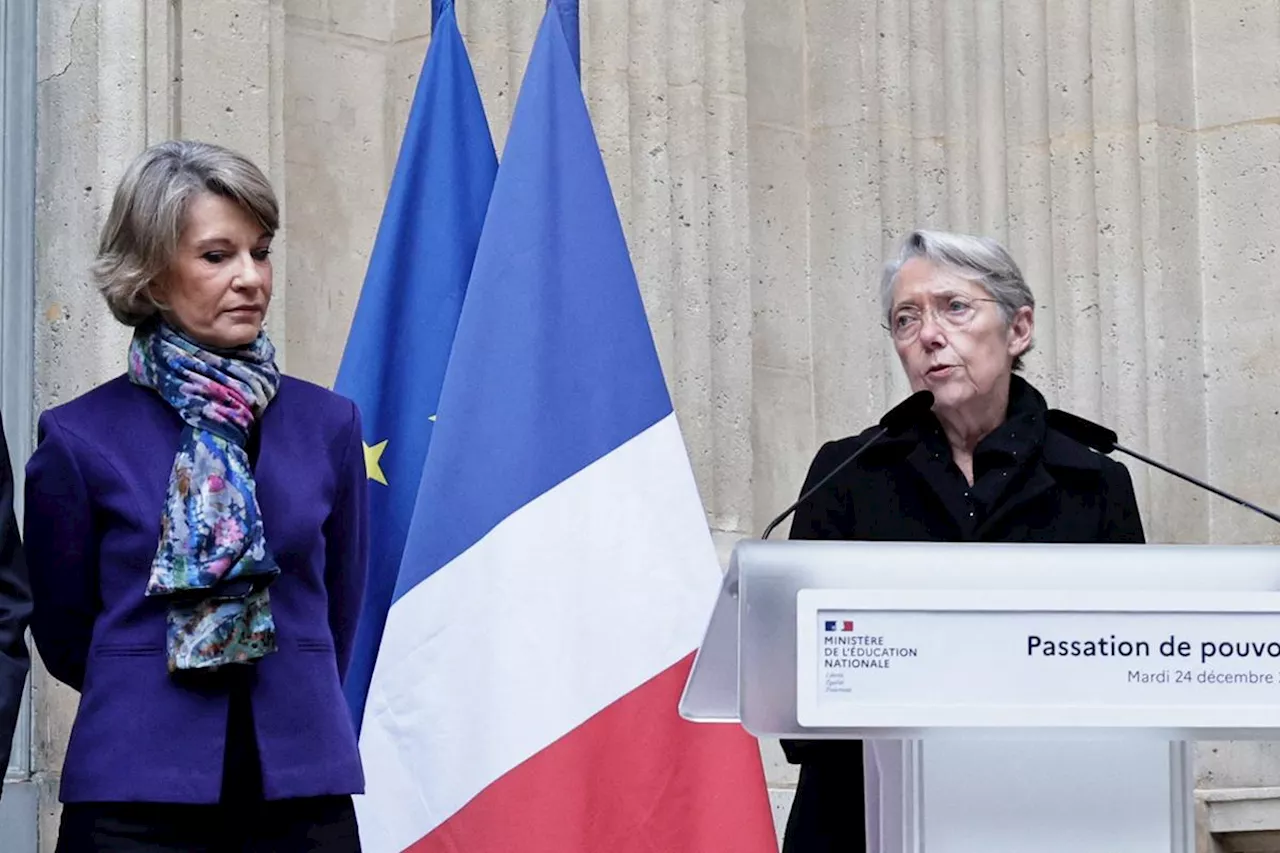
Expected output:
{"points": [[1037, 658], [1011, 696]]}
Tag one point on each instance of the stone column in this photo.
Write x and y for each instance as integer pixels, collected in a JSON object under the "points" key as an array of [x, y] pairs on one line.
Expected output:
{"points": [[349, 73], [1228, 133]]}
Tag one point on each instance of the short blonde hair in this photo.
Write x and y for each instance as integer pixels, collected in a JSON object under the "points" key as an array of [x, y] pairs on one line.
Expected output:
{"points": [[141, 233]]}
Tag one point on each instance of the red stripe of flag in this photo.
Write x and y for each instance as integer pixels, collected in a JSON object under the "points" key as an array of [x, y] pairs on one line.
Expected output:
{"points": [[635, 778]]}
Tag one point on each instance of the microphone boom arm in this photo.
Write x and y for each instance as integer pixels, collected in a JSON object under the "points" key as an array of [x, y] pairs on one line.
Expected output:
{"points": [[1165, 468], [818, 485], [897, 419]]}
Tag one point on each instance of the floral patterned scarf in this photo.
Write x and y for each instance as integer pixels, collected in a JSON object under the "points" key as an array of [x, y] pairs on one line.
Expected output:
{"points": [[212, 563]]}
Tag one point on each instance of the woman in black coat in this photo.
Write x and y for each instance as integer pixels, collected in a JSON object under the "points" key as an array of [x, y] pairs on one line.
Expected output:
{"points": [[983, 468]]}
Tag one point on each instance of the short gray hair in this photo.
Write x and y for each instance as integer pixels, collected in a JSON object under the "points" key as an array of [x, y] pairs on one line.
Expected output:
{"points": [[978, 259], [147, 214]]}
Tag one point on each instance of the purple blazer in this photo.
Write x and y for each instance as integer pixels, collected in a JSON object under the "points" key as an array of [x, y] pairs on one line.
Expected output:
{"points": [[95, 487]]}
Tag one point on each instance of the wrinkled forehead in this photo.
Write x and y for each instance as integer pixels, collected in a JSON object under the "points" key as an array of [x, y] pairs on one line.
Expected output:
{"points": [[921, 281]]}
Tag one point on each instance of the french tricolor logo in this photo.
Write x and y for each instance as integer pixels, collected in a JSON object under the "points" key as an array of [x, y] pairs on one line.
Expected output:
{"points": [[841, 625]]}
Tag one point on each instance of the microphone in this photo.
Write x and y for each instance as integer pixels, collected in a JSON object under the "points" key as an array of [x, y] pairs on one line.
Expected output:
{"points": [[1104, 441], [895, 421]]}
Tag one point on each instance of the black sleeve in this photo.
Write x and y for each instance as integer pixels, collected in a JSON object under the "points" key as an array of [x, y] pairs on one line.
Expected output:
{"points": [[1122, 521], [826, 515], [15, 608]]}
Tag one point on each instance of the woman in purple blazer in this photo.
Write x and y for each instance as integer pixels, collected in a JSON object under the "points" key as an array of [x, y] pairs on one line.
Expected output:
{"points": [[196, 536]]}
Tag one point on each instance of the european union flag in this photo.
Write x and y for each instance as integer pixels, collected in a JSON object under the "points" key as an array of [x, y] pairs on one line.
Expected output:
{"points": [[404, 324]]}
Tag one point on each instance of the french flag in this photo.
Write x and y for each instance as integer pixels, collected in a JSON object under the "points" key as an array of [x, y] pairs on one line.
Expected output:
{"points": [[558, 571]]}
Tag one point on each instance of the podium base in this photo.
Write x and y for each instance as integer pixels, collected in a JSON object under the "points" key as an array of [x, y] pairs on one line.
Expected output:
{"points": [[991, 796]]}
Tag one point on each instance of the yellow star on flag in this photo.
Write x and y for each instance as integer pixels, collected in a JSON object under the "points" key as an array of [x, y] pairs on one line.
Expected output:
{"points": [[372, 466]]}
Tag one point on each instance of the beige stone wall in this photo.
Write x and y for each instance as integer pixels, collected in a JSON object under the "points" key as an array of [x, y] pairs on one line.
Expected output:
{"points": [[765, 156]]}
